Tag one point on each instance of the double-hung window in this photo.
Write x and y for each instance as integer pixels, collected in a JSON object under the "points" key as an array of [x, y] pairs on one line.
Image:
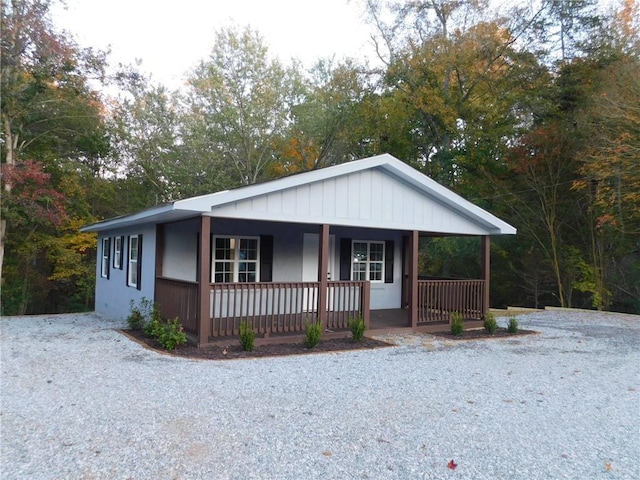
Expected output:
{"points": [[235, 259], [117, 252], [133, 271], [106, 250], [367, 261]]}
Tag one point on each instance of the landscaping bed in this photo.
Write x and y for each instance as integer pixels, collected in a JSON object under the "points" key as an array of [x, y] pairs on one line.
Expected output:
{"points": [[478, 334], [284, 349], [270, 350]]}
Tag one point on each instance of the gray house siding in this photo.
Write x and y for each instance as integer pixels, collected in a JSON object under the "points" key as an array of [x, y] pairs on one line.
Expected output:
{"points": [[180, 258], [383, 295], [113, 295]]}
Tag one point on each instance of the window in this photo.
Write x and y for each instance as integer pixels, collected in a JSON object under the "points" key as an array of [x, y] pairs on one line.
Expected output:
{"points": [[117, 253], [367, 261], [235, 259], [106, 250], [134, 263]]}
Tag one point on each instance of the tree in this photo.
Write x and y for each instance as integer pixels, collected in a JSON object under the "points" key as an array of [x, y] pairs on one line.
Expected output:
{"points": [[542, 167], [462, 91], [52, 130], [33, 208], [239, 104], [48, 110], [609, 174], [324, 120], [145, 125]]}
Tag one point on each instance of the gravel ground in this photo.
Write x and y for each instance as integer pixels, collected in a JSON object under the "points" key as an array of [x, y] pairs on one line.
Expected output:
{"points": [[80, 401]]}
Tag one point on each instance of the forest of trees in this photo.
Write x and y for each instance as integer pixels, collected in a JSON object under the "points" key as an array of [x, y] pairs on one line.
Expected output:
{"points": [[530, 111]]}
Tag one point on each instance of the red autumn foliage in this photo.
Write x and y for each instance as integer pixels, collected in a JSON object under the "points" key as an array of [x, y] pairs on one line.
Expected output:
{"points": [[30, 198], [452, 465]]}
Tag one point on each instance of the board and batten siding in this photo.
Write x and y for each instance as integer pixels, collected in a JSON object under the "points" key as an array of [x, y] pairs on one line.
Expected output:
{"points": [[369, 198]]}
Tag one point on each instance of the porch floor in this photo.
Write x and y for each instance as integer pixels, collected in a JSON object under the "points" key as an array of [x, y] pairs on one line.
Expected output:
{"points": [[390, 319], [396, 320]]}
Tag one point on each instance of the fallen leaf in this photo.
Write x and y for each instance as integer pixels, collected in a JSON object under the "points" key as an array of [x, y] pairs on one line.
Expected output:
{"points": [[452, 465], [327, 453], [607, 466]]}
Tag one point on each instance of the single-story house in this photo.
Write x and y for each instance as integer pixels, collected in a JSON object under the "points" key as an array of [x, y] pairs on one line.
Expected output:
{"points": [[328, 244]]}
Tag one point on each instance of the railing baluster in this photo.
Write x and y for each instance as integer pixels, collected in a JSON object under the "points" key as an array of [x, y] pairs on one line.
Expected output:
{"points": [[272, 307], [439, 298]]}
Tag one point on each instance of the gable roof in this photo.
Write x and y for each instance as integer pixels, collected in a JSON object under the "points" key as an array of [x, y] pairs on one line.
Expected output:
{"points": [[377, 192]]}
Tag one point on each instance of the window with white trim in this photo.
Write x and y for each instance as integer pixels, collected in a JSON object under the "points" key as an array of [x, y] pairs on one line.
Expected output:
{"points": [[235, 259], [132, 266], [117, 252], [367, 261], [104, 267]]}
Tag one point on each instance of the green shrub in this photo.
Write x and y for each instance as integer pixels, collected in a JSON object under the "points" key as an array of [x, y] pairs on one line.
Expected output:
{"points": [[457, 323], [141, 314], [490, 324], [247, 337], [512, 326], [172, 334], [146, 317], [136, 319], [313, 333], [154, 328], [357, 327]]}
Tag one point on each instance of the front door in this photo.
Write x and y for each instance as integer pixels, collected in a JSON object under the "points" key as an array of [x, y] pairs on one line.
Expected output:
{"points": [[310, 246]]}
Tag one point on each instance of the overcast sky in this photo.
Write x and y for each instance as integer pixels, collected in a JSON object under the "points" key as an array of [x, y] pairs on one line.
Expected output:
{"points": [[171, 37]]}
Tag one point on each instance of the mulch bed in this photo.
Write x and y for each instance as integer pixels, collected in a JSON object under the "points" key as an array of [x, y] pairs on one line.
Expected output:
{"points": [[284, 349], [271, 350], [481, 334]]}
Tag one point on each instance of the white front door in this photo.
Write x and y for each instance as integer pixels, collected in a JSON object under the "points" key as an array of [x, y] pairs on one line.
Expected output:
{"points": [[310, 246]]}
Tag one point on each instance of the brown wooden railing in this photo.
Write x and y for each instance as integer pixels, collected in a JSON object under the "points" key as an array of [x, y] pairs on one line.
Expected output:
{"points": [[281, 307], [178, 298], [438, 299], [346, 300]]}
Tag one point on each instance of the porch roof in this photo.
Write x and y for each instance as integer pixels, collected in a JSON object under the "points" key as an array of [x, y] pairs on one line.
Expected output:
{"points": [[376, 192]]}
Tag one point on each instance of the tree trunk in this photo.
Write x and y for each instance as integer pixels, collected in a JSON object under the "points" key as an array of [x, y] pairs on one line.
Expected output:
{"points": [[3, 229], [10, 144]]}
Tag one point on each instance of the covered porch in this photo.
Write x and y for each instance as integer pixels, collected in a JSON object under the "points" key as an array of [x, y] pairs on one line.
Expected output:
{"points": [[212, 313]]}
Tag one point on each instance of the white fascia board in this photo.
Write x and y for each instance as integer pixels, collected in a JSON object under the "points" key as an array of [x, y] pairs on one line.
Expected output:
{"points": [[139, 217], [448, 197]]}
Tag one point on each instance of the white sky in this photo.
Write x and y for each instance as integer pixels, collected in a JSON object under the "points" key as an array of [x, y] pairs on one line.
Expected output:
{"points": [[171, 37]]}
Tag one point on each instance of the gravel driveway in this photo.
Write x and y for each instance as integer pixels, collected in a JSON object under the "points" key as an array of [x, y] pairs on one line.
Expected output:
{"points": [[80, 401]]}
